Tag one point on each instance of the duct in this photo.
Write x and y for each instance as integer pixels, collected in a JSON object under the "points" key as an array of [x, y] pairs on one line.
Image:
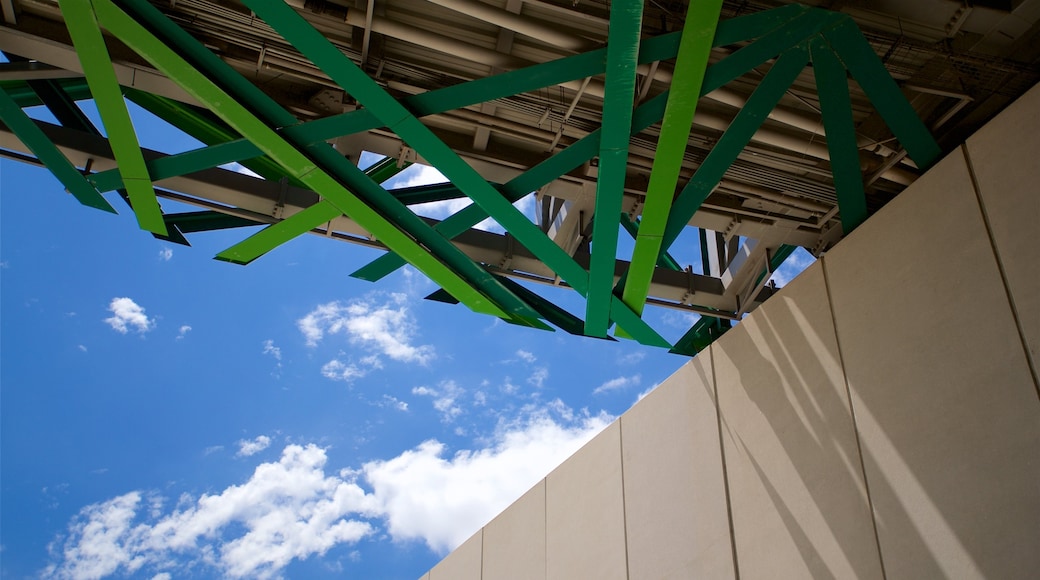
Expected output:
{"points": [[526, 26]]}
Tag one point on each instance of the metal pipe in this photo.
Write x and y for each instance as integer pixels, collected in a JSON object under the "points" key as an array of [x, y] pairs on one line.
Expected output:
{"points": [[537, 30]]}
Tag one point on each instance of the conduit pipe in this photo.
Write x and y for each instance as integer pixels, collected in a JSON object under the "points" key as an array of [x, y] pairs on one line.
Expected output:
{"points": [[521, 24]]}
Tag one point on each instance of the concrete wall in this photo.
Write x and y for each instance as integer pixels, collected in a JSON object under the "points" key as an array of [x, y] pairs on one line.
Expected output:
{"points": [[879, 418]]}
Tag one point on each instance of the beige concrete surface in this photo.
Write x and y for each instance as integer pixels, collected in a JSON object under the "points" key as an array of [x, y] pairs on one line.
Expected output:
{"points": [[1004, 157], [584, 513], [514, 542], [463, 563], [673, 481], [795, 479], [947, 413]]}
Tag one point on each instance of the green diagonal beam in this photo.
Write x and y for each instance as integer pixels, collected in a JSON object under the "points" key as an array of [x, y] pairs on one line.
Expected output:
{"points": [[481, 90], [650, 112], [690, 67], [297, 224], [341, 69], [337, 168], [626, 22], [832, 86], [780, 76], [860, 59], [632, 227], [101, 77], [54, 160], [294, 162]]}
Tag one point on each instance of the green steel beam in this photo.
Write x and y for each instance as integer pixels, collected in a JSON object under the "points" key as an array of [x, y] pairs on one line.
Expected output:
{"points": [[626, 22], [583, 150], [101, 77], [54, 160], [690, 67], [780, 76], [861, 60], [490, 88], [549, 311], [242, 120], [203, 127], [298, 224], [169, 166], [25, 96], [632, 227], [385, 168], [705, 331], [832, 86], [341, 69], [335, 167]]}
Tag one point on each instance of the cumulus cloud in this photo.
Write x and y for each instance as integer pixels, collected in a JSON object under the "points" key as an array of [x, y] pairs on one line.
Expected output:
{"points": [[165, 254], [445, 398], [293, 509], [383, 328], [617, 384], [127, 314], [271, 349], [287, 510], [538, 377], [247, 447], [526, 356], [183, 331]]}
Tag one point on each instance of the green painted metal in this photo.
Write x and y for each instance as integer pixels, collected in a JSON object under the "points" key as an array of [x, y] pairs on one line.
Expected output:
{"points": [[30, 134], [580, 152], [299, 223], [385, 169], [327, 57], [690, 66], [861, 60], [277, 234], [836, 108], [205, 127], [466, 94], [632, 227], [294, 162], [25, 96], [626, 22], [481, 286], [97, 66], [734, 139], [705, 331], [551, 312]]}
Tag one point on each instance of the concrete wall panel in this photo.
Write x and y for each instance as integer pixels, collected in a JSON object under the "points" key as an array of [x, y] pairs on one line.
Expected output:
{"points": [[1003, 155], [946, 408], [673, 481], [463, 563], [514, 542], [796, 483], [584, 513]]}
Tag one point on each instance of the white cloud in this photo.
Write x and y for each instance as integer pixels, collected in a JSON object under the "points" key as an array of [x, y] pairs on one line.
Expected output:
{"points": [[165, 254], [292, 509], [631, 358], [339, 371], [526, 356], [125, 314], [444, 398], [538, 377], [422, 494], [212, 449], [271, 349], [393, 402], [617, 384], [183, 331], [162, 576], [794, 265], [288, 510], [81, 347], [247, 447], [385, 329]]}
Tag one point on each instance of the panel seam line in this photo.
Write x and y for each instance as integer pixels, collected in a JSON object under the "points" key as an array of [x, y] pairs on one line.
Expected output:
{"points": [[725, 471], [852, 416], [1000, 267]]}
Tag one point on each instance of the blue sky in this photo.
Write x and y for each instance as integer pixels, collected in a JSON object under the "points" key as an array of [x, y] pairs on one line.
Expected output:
{"points": [[165, 415]]}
